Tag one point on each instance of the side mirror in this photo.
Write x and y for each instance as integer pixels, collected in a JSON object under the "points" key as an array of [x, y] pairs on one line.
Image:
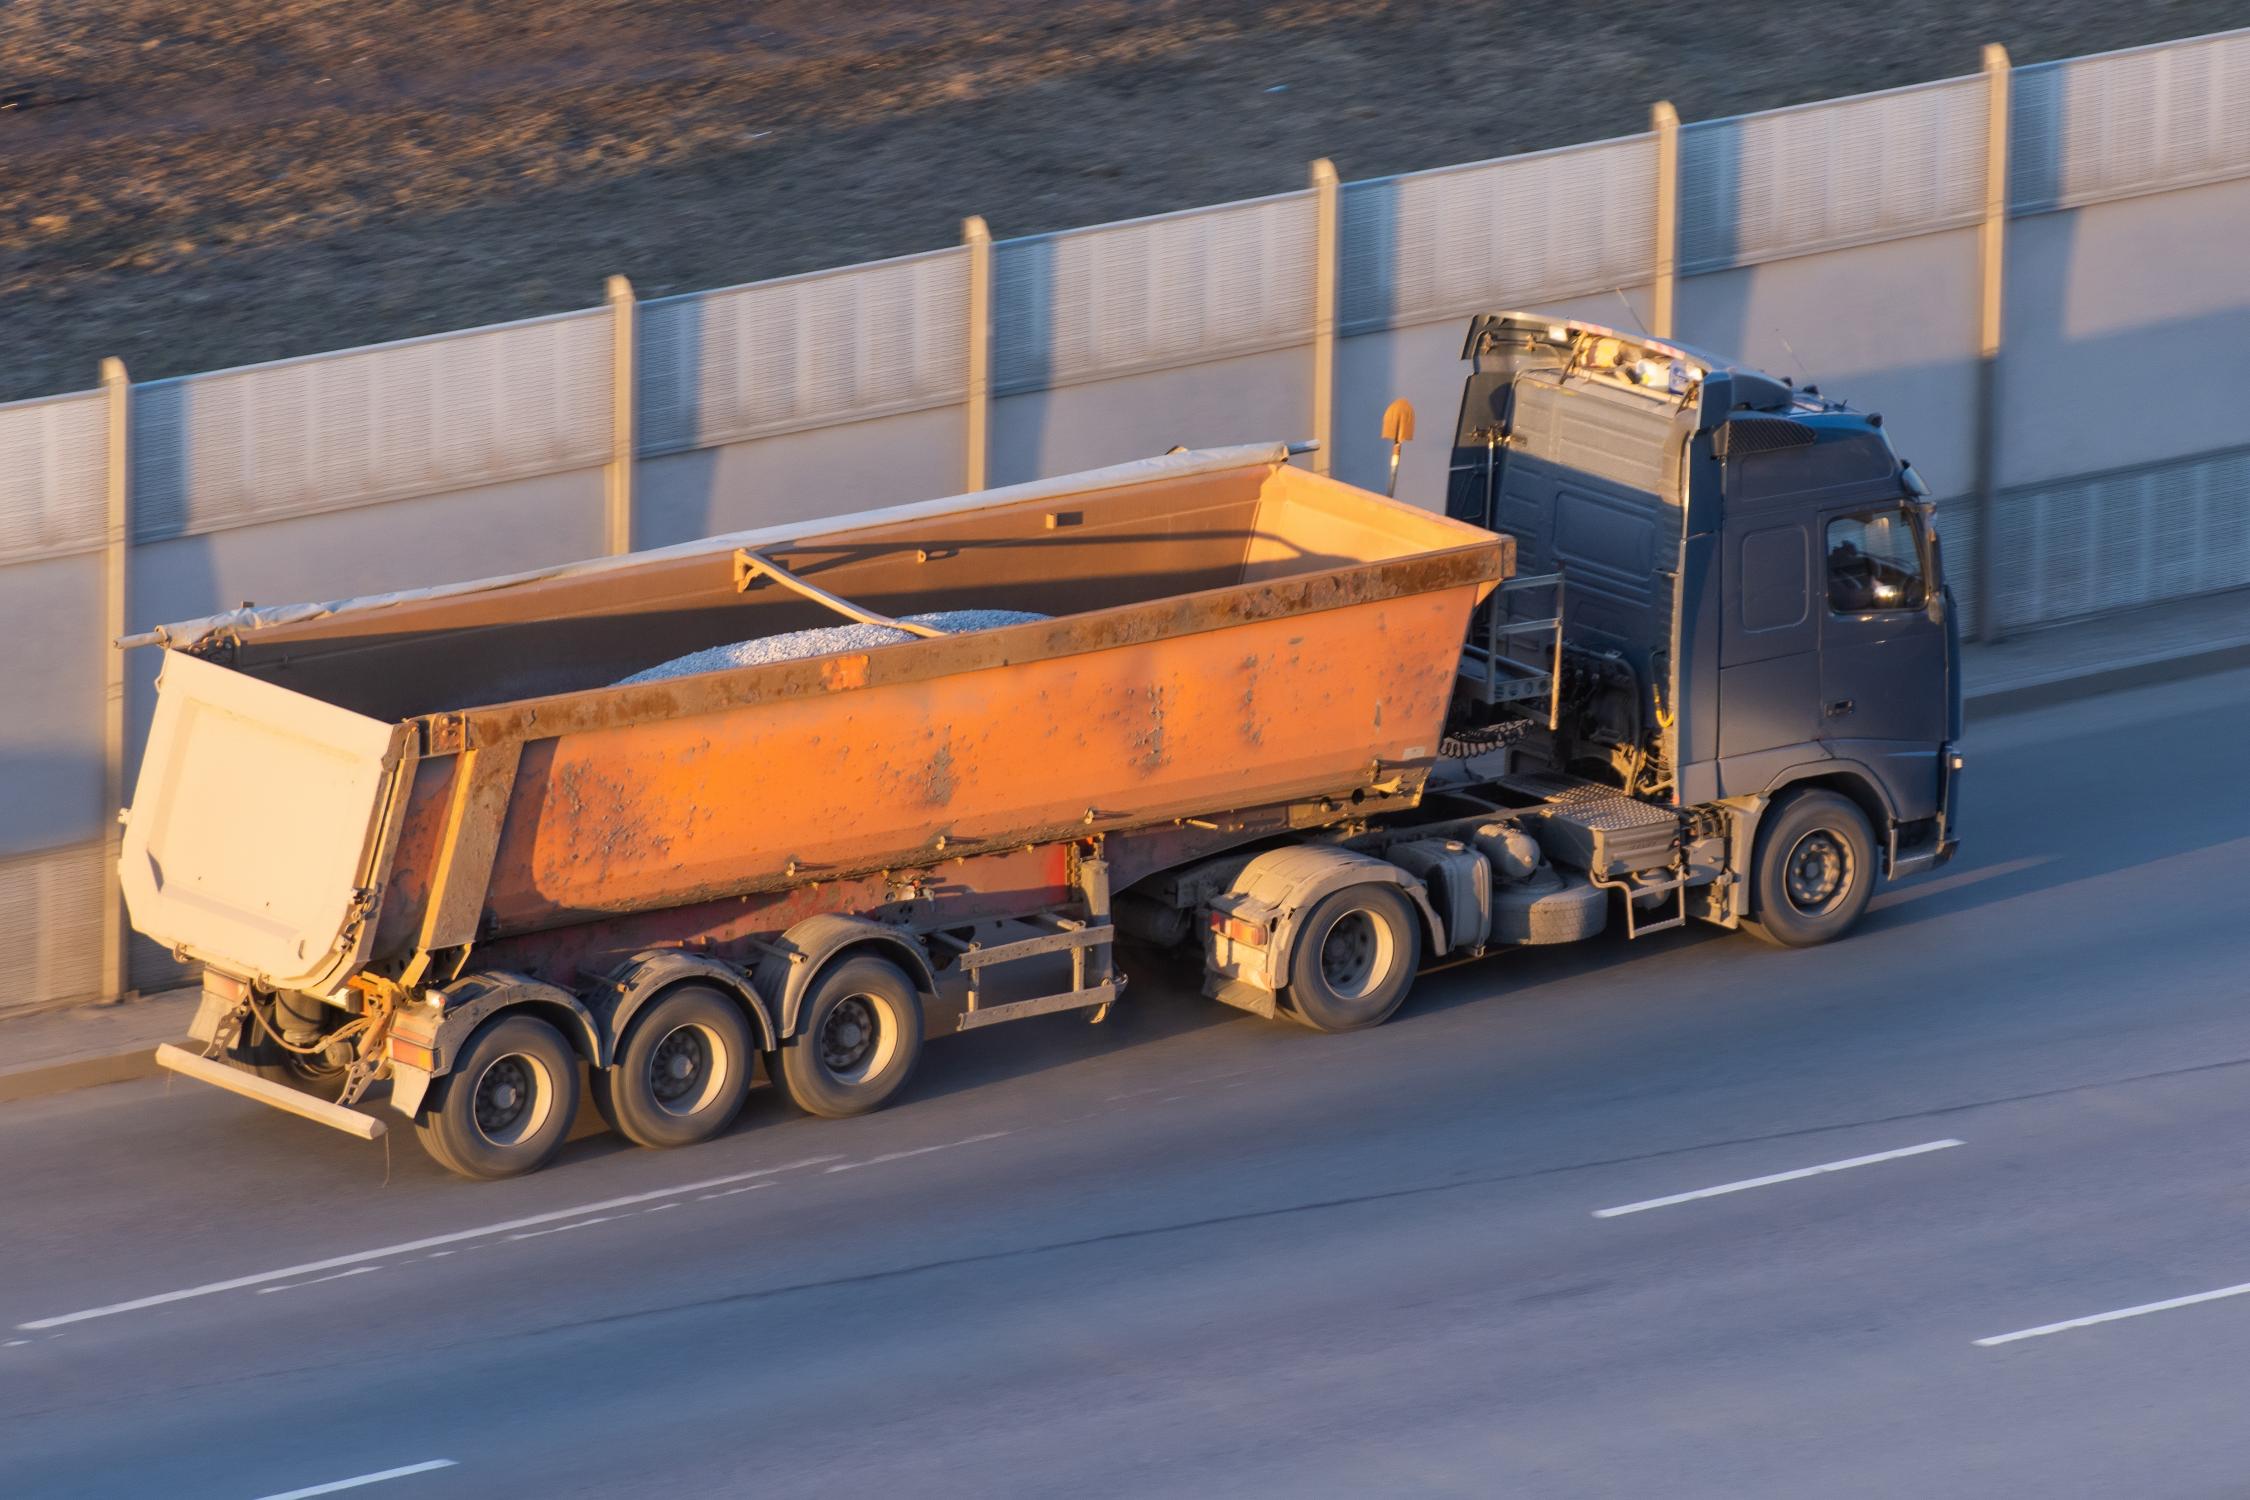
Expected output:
{"points": [[1398, 428]]}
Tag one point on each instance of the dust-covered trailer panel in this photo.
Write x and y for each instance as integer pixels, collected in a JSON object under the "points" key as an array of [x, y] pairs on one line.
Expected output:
{"points": [[1219, 630]]}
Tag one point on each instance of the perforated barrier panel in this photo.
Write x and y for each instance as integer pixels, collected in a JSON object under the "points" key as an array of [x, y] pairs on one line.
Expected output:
{"points": [[808, 351], [52, 475], [1821, 176], [2087, 546], [2129, 122], [50, 926], [1149, 293], [382, 423], [1510, 233]]}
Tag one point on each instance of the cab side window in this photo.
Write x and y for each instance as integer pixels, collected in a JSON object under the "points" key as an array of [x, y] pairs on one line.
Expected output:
{"points": [[1874, 563]]}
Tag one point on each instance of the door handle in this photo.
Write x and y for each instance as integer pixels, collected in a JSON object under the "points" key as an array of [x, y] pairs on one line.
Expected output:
{"points": [[1840, 707]]}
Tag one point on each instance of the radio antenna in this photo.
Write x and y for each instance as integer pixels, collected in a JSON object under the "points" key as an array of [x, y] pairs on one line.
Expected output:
{"points": [[1793, 359], [1636, 317]]}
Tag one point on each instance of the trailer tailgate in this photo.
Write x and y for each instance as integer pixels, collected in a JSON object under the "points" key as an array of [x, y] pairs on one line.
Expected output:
{"points": [[254, 825]]}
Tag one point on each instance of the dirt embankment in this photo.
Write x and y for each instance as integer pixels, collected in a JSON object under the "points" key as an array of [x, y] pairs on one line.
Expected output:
{"points": [[196, 183]]}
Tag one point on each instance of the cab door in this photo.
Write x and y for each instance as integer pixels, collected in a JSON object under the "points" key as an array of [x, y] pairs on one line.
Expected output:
{"points": [[1883, 687]]}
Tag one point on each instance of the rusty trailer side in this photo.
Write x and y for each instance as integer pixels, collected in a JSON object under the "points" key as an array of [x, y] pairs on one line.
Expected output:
{"points": [[1310, 654]]}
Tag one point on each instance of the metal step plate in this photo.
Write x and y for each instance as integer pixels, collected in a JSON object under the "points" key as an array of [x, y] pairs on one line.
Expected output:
{"points": [[1592, 827]]}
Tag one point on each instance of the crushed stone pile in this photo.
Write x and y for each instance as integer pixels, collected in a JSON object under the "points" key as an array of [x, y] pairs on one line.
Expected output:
{"points": [[798, 644]]}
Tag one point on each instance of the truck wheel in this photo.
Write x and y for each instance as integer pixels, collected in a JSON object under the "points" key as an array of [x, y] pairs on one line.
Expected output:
{"points": [[506, 1107], [1814, 871], [683, 1072], [858, 1040], [1354, 958]]}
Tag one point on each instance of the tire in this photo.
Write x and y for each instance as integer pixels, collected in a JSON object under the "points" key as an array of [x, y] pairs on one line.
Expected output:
{"points": [[1814, 871], [1353, 958], [683, 1071], [526, 1076], [858, 1037]]}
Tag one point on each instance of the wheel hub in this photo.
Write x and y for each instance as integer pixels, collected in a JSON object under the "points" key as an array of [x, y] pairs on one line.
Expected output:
{"points": [[1818, 872], [678, 1065], [502, 1095], [847, 1035], [1347, 955]]}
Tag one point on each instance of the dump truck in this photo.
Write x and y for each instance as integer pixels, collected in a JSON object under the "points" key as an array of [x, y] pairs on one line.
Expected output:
{"points": [[1677, 647]]}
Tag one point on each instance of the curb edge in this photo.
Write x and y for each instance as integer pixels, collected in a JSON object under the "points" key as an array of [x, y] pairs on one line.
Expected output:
{"points": [[2147, 672]]}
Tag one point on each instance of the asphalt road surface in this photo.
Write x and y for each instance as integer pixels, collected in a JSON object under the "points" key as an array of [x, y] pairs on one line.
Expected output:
{"points": [[1191, 1253]]}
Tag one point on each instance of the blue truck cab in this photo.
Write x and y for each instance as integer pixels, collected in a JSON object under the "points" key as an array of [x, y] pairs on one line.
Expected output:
{"points": [[1731, 601]]}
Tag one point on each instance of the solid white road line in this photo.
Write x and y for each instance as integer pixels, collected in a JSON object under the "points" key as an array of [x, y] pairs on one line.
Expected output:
{"points": [[876, 1161], [1758, 1182], [2110, 1317], [352, 1484], [359, 1256]]}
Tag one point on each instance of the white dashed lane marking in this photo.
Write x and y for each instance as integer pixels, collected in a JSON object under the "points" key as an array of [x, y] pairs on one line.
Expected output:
{"points": [[358, 1480], [2089, 1321], [1759, 1182]]}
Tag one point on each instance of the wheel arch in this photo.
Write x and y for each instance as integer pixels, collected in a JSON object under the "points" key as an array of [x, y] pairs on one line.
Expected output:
{"points": [[647, 976], [473, 1003], [1288, 882], [807, 950], [1848, 779]]}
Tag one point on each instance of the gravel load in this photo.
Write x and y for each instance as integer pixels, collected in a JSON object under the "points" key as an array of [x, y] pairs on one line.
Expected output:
{"points": [[798, 644]]}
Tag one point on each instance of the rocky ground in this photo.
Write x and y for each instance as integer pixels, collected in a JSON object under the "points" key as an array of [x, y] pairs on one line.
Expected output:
{"points": [[191, 184]]}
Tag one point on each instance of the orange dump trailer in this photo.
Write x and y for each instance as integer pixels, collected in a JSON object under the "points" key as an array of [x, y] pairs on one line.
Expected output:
{"points": [[435, 839]]}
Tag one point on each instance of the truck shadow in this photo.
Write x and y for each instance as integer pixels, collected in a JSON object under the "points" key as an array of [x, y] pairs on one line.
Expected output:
{"points": [[1165, 1002]]}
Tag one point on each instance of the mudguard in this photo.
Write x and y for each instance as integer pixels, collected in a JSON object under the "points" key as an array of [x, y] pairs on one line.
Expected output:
{"points": [[1277, 887], [805, 949], [646, 975]]}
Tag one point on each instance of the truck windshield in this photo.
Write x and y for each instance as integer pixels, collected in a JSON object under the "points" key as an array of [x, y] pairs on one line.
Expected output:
{"points": [[1875, 562]]}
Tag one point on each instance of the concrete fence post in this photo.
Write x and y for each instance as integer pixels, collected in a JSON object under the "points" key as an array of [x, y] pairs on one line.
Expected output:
{"points": [[617, 478], [117, 540], [977, 445], [1992, 254], [1665, 121], [1327, 247]]}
